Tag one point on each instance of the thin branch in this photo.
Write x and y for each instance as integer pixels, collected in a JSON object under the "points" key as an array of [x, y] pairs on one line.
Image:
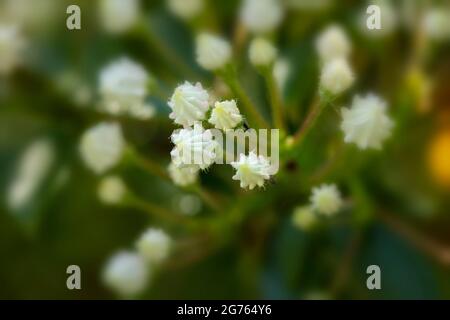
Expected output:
{"points": [[345, 267], [229, 76], [310, 120], [438, 251], [275, 99], [158, 211]]}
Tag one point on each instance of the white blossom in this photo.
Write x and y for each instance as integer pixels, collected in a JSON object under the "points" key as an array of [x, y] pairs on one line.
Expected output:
{"points": [[101, 146], [225, 115], [336, 76], [194, 146], [366, 123], [111, 190], [333, 43], [261, 16], [189, 104], [34, 165], [281, 70], [126, 273], [262, 52], [186, 9], [142, 111], [304, 217], [118, 16], [123, 87], [326, 199], [75, 87], [154, 245], [11, 46], [436, 23], [183, 176], [188, 204], [251, 170], [32, 16], [213, 52]]}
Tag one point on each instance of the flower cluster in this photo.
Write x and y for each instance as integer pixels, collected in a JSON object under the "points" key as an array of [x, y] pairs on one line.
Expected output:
{"points": [[128, 272], [333, 48], [366, 123], [325, 200], [195, 147], [199, 114]]}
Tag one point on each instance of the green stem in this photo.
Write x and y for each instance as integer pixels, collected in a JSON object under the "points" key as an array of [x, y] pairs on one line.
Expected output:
{"points": [[147, 164], [207, 197], [309, 122], [275, 99], [155, 169], [157, 211], [170, 56], [229, 76]]}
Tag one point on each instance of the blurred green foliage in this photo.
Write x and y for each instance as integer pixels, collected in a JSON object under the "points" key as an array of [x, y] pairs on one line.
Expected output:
{"points": [[266, 256]]}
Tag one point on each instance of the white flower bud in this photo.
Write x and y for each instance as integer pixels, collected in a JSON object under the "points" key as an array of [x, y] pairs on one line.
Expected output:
{"points": [[11, 46], [183, 176], [326, 199], [212, 51], [193, 146], [262, 52], [366, 124], [436, 23], [333, 43], [189, 104], [154, 245], [72, 85], [261, 16], [102, 146], [123, 86], [186, 9], [34, 165], [188, 204], [304, 218], [281, 70], [111, 190], [117, 16], [142, 111], [225, 115], [33, 17], [126, 273], [336, 76], [251, 170]]}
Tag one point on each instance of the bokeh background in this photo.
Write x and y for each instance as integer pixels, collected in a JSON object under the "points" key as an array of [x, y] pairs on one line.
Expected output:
{"points": [[398, 217]]}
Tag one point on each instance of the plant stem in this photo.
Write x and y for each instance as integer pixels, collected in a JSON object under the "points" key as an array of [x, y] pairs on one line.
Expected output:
{"points": [[436, 250], [157, 211], [207, 197], [155, 169], [344, 268], [171, 58], [229, 76], [147, 164], [308, 124], [275, 99]]}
